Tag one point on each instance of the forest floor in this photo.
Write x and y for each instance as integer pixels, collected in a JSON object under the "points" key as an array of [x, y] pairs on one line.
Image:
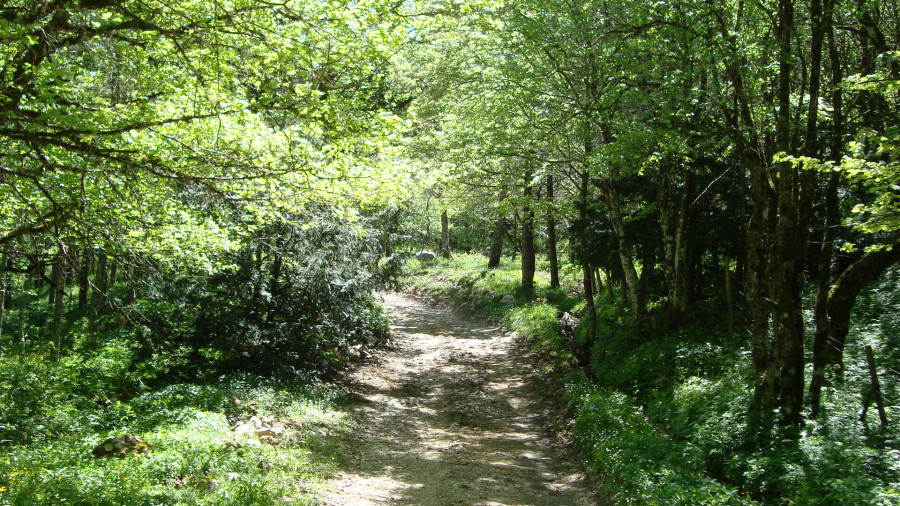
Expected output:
{"points": [[450, 415]]}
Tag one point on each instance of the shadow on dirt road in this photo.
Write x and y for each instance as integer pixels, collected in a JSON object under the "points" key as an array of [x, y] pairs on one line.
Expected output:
{"points": [[448, 417]]}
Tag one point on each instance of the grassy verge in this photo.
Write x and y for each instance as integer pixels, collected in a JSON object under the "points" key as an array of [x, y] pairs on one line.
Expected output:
{"points": [[221, 429], [197, 455]]}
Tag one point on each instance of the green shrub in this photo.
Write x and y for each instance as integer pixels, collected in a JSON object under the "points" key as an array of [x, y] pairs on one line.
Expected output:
{"points": [[289, 308], [635, 462]]}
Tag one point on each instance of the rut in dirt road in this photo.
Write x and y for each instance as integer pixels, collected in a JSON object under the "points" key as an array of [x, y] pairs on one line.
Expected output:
{"points": [[448, 417]]}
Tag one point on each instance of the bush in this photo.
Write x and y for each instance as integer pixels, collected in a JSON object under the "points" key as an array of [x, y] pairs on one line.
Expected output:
{"points": [[290, 301]]}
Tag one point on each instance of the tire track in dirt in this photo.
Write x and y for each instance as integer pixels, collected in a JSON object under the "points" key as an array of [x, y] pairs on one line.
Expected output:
{"points": [[448, 418]]}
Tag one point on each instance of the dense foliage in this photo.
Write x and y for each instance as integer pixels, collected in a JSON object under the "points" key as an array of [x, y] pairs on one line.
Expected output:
{"points": [[703, 155], [189, 193], [194, 189]]}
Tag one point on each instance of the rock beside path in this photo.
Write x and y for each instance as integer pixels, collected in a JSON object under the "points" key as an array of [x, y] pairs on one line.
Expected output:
{"points": [[122, 446]]}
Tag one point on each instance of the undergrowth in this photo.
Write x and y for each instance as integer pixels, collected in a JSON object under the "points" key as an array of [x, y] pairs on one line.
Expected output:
{"points": [[662, 418], [196, 458], [170, 358]]}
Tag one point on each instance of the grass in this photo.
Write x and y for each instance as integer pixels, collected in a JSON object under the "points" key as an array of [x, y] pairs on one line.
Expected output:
{"points": [[466, 280], [197, 458]]}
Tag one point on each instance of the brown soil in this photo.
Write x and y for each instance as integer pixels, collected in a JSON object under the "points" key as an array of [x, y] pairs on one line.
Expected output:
{"points": [[449, 417]]}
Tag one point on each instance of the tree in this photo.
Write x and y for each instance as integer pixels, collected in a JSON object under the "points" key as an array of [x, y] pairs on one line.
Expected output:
{"points": [[161, 133]]}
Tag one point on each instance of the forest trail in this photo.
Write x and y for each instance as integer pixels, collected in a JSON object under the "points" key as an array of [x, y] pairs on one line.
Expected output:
{"points": [[447, 417]]}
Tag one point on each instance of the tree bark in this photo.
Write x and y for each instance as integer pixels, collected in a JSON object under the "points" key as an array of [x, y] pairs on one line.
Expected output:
{"points": [[674, 229], [586, 270], [617, 219], [23, 305], [274, 285], [609, 285], [83, 280], [758, 237], [528, 254], [758, 233], [4, 286], [98, 296], [729, 298], [790, 237], [58, 291], [55, 280], [445, 235], [497, 242], [551, 236], [113, 274]]}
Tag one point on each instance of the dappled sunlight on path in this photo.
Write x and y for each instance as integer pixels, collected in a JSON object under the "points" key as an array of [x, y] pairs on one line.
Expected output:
{"points": [[448, 417]]}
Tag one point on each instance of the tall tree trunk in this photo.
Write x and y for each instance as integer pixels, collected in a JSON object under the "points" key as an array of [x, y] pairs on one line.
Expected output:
{"points": [[617, 219], [674, 228], [790, 237], [822, 349], [745, 133], [39, 270], [515, 236], [23, 306], [528, 254], [586, 270], [609, 285], [113, 273], [428, 221], [131, 295], [445, 235], [55, 280], [729, 298], [58, 291], [497, 242], [83, 273], [98, 296], [551, 235], [757, 273], [274, 285], [591, 313], [4, 286]]}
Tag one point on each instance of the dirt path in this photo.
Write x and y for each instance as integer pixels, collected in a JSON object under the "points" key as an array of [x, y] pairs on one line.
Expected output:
{"points": [[447, 418]]}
